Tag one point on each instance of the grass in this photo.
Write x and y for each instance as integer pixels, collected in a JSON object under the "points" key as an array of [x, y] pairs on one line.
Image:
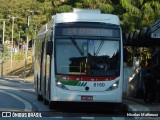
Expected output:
{"points": [[18, 69]]}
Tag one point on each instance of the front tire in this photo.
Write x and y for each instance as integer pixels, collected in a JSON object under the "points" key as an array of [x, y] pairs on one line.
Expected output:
{"points": [[39, 97], [51, 105], [45, 101]]}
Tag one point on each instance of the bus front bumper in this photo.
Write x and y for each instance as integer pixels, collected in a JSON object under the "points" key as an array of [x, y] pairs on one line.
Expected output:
{"points": [[79, 96]]}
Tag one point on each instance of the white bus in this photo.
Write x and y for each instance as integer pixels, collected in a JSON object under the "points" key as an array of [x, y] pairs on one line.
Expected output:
{"points": [[79, 58]]}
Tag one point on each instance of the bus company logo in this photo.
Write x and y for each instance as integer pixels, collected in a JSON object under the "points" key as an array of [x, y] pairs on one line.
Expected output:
{"points": [[82, 84], [6, 114]]}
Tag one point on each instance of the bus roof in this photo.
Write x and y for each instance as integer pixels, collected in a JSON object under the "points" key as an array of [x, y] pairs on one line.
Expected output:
{"points": [[77, 10], [86, 16], [80, 15]]}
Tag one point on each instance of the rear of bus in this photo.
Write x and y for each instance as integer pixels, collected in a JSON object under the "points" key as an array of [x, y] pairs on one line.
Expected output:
{"points": [[87, 61]]}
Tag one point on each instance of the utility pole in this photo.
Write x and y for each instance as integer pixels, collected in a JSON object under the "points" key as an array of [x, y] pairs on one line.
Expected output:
{"points": [[3, 32], [26, 51], [12, 38], [33, 37], [2, 48], [19, 40]]}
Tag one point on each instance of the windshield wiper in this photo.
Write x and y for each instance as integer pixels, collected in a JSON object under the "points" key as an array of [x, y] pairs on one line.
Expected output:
{"points": [[76, 45], [99, 48]]}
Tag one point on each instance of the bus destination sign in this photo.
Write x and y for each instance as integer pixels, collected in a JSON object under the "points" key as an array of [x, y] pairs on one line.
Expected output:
{"points": [[79, 31]]}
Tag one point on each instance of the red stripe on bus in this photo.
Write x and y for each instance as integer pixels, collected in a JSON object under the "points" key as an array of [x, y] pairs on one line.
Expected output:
{"points": [[88, 78]]}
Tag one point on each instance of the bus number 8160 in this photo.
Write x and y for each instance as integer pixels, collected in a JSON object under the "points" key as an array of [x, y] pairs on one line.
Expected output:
{"points": [[99, 84]]}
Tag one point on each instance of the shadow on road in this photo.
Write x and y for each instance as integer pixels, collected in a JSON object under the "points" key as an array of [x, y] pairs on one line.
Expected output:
{"points": [[93, 109]]}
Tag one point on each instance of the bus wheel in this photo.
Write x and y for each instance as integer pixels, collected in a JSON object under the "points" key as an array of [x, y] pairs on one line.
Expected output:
{"points": [[39, 97], [45, 101], [51, 105]]}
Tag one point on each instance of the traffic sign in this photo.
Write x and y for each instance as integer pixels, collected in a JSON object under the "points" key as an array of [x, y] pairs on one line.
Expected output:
{"points": [[155, 35]]}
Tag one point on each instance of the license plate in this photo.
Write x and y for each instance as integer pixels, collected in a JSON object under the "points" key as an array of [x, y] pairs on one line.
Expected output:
{"points": [[88, 98]]}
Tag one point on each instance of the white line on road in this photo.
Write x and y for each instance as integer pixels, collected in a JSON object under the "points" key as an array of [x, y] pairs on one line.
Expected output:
{"points": [[28, 106], [58, 117], [89, 118], [118, 118]]}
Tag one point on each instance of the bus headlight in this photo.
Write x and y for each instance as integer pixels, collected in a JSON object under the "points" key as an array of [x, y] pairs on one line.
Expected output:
{"points": [[113, 86], [60, 85]]}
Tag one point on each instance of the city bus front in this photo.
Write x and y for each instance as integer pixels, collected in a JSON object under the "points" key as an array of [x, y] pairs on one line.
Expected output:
{"points": [[88, 62]]}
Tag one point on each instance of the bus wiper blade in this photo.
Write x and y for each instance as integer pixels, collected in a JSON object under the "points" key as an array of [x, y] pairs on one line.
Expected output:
{"points": [[78, 48], [99, 48]]}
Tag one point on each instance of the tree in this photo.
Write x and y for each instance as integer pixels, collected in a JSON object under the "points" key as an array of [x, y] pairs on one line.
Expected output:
{"points": [[133, 14], [19, 8]]}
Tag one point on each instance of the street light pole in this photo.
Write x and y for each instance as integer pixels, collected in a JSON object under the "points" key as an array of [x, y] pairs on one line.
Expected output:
{"points": [[26, 50], [2, 48], [32, 38], [12, 38], [19, 41], [3, 31]]}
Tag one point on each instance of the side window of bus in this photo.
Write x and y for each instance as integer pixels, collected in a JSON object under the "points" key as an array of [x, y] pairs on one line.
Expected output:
{"points": [[42, 52], [48, 67], [48, 64], [49, 47]]}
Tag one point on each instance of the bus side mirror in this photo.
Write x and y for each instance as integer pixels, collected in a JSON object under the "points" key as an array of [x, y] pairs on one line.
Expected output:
{"points": [[49, 47]]}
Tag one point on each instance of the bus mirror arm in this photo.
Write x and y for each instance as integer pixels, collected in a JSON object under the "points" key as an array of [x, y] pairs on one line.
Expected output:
{"points": [[49, 47]]}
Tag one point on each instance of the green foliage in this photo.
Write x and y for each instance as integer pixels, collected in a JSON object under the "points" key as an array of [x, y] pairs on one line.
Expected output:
{"points": [[6, 53], [150, 12], [78, 5], [64, 8], [106, 8], [129, 7], [20, 8], [18, 56], [134, 14]]}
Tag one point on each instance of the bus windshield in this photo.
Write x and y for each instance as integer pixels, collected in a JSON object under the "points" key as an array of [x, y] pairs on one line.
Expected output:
{"points": [[91, 57]]}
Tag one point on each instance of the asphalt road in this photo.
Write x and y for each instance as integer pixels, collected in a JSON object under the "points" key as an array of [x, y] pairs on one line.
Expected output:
{"points": [[18, 99]]}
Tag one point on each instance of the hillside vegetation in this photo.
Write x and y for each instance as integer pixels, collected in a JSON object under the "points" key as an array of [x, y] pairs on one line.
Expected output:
{"points": [[18, 69], [134, 14], [29, 15]]}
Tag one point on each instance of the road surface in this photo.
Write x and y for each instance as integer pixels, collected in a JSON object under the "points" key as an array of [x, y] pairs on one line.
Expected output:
{"points": [[18, 99]]}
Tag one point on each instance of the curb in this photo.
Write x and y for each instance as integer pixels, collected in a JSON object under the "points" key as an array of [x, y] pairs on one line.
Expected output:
{"points": [[133, 99], [17, 80]]}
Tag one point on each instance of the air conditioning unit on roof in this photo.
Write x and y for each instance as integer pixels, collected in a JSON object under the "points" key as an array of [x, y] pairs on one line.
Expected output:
{"points": [[77, 10]]}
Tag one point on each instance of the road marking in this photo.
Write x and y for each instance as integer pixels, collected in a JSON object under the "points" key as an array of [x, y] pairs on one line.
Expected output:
{"points": [[135, 107], [89, 118], [118, 118], [8, 109], [58, 117], [28, 106], [138, 107]]}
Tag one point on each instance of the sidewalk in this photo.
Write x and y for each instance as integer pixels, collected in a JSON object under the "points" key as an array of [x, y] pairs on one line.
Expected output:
{"points": [[140, 104], [17, 79]]}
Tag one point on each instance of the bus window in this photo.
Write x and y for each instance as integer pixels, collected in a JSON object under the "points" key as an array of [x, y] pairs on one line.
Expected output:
{"points": [[87, 57]]}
